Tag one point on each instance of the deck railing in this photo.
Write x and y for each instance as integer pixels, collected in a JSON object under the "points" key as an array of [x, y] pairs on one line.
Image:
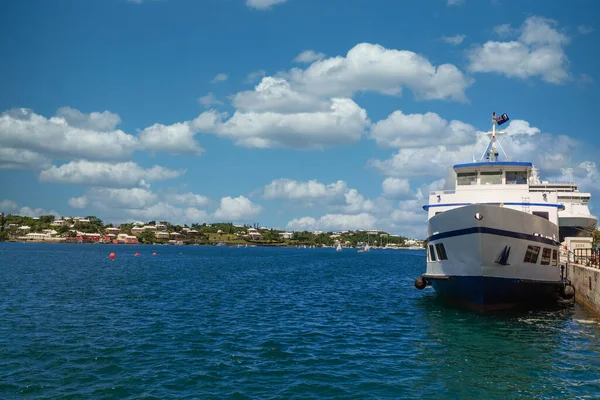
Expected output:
{"points": [[587, 257]]}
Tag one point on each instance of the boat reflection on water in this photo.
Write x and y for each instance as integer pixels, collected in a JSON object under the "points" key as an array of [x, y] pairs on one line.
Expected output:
{"points": [[506, 353]]}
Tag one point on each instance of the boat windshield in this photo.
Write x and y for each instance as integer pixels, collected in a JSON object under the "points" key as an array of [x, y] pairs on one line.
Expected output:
{"points": [[466, 178], [516, 177]]}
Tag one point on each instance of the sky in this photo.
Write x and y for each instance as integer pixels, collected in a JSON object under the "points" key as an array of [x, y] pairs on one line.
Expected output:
{"points": [[293, 114]]}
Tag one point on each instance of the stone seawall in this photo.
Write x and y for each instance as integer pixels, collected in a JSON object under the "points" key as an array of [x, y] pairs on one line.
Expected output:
{"points": [[586, 281]]}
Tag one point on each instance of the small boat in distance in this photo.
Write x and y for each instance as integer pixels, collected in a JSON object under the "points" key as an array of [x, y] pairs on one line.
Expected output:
{"points": [[493, 242]]}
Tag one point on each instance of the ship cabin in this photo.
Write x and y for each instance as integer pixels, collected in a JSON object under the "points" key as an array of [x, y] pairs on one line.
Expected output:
{"points": [[502, 183]]}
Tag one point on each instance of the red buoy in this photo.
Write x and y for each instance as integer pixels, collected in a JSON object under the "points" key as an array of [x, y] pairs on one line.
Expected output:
{"points": [[112, 256], [153, 254], [136, 254]]}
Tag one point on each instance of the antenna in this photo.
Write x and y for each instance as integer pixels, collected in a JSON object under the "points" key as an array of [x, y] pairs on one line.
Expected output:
{"points": [[491, 153]]}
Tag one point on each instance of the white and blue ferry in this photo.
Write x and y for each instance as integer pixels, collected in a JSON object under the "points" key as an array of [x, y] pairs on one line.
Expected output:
{"points": [[492, 242]]}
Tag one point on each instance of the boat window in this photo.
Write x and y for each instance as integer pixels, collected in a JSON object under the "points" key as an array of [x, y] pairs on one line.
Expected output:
{"points": [[431, 253], [543, 214], [554, 257], [466, 178], [516, 177], [441, 251], [546, 255], [531, 256], [491, 178]]}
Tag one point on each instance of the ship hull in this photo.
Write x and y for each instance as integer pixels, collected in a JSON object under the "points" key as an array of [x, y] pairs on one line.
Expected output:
{"points": [[576, 226], [489, 253]]}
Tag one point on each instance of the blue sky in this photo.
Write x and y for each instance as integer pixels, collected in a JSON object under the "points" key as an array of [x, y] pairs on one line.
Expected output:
{"points": [[298, 114]]}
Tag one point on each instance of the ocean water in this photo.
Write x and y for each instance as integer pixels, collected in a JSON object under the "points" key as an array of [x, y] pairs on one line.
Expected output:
{"points": [[261, 323]]}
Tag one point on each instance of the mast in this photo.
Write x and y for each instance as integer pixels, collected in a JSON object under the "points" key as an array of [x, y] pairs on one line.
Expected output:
{"points": [[491, 152]]}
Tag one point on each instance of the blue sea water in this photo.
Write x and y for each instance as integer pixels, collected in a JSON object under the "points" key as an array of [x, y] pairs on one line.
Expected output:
{"points": [[263, 323]]}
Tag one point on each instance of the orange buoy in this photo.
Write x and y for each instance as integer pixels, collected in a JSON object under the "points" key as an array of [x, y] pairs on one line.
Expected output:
{"points": [[136, 254], [112, 256]]}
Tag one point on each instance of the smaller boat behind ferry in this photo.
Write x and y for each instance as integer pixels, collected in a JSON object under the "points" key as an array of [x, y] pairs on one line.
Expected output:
{"points": [[492, 243]]}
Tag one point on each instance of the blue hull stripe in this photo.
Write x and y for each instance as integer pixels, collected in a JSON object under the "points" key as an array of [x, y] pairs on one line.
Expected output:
{"points": [[493, 231], [559, 206]]}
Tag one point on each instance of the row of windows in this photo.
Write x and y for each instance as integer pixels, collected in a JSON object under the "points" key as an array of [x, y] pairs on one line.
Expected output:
{"points": [[439, 249], [548, 255], [491, 178]]}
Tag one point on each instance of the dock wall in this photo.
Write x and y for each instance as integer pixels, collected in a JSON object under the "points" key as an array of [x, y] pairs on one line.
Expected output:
{"points": [[586, 281]]}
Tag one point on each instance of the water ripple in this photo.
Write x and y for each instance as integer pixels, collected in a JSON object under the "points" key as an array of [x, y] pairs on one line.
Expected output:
{"points": [[258, 323]]}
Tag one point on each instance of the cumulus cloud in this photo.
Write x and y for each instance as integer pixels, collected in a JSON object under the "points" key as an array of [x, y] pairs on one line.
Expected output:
{"points": [[177, 138], [220, 78], [22, 159], [344, 122], [118, 175], [371, 67], [263, 4], [167, 212], [8, 206], [454, 40], [309, 56], [188, 199], [70, 134], [334, 222], [538, 51], [209, 99], [417, 130], [296, 190], [237, 209], [78, 202], [396, 187], [111, 198]]}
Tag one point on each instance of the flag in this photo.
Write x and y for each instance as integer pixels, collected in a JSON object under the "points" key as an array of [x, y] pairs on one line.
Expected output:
{"points": [[502, 119]]}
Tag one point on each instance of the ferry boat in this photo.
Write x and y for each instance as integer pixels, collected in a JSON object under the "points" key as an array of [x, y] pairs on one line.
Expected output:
{"points": [[493, 242]]}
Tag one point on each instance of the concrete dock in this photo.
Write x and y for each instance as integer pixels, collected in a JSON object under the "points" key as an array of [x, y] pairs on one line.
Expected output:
{"points": [[586, 281]]}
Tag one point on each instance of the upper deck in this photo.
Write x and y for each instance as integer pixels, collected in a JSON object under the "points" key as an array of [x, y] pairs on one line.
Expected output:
{"points": [[487, 175]]}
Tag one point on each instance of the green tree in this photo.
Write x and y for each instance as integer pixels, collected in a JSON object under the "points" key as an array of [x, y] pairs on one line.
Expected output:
{"points": [[147, 237], [3, 236]]}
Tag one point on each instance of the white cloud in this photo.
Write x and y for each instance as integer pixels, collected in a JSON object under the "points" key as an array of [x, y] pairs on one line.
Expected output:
{"points": [[584, 29], [111, 198], [523, 143], [236, 209], [263, 4], [220, 78], [209, 100], [8, 206], [417, 130], [166, 212], [334, 222], [92, 136], [396, 187], [126, 174], [177, 138], [504, 30], [371, 67], [276, 95], [454, 40], [188, 199], [22, 159], [309, 56], [78, 202], [95, 121], [521, 127], [344, 122], [296, 190], [586, 174], [253, 76], [37, 212], [539, 51], [302, 224]]}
